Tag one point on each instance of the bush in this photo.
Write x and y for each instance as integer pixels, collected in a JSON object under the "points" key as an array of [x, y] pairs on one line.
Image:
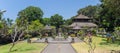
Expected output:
{"points": [[53, 36], [65, 36], [117, 32], [82, 34], [72, 35]]}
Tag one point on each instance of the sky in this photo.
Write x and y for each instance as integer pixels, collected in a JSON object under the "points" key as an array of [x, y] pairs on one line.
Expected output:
{"points": [[66, 8]]}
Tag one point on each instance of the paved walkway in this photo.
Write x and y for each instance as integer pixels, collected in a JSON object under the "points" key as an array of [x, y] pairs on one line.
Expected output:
{"points": [[59, 48], [59, 45]]}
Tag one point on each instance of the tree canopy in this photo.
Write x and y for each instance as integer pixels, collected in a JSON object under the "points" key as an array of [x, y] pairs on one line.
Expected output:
{"points": [[30, 14], [106, 15], [69, 21], [88, 11], [46, 21], [110, 14], [35, 26], [56, 20]]}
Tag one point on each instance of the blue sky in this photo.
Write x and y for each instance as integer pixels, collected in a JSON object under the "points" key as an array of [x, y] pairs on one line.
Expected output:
{"points": [[66, 8]]}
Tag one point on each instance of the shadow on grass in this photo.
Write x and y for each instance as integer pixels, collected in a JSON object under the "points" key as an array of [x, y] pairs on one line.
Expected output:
{"points": [[117, 42], [17, 50], [104, 42]]}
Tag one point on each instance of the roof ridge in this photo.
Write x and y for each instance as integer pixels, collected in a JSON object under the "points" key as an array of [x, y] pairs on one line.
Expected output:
{"points": [[81, 16]]}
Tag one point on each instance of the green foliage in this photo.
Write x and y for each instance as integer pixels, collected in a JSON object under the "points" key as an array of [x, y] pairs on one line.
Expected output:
{"points": [[72, 35], [109, 14], [65, 36], [35, 26], [68, 21], [117, 32], [82, 34], [9, 22], [46, 21], [92, 12], [5, 31], [0, 16], [1, 24], [94, 31], [3, 27], [101, 31], [117, 28], [28, 36], [56, 20], [52, 27], [21, 22], [53, 36], [30, 20], [88, 11], [30, 14], [105, 15]]}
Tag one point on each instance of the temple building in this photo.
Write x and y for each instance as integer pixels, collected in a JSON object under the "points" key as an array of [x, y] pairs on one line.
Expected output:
{"points": [[81, 22]]}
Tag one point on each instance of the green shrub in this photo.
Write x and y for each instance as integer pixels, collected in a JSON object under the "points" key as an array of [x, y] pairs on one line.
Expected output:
{"points": [[72, 35]]}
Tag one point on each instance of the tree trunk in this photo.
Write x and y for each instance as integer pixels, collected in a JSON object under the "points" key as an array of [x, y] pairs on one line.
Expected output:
{"points": [[13, 37], [10, 50]]}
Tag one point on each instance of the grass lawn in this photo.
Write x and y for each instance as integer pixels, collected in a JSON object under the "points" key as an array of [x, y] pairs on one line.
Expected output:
{"points": [[101, 46], [23, 47]]}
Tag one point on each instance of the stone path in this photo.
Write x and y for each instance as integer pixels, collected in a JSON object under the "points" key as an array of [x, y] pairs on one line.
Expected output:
{"points": [[59, 45], [59, 48]]}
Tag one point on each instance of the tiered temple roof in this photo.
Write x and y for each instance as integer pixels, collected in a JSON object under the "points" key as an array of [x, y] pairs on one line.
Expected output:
{"points": [[82, 21]]}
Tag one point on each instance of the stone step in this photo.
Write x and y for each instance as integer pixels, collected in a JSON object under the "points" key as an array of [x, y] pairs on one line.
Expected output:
{"points": [[59, 42], [59, 39]]}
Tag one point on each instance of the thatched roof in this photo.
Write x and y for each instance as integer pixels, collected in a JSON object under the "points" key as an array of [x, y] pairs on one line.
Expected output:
{"points": [[81, 17], [76, 28], [83, 24], [47, 27]]}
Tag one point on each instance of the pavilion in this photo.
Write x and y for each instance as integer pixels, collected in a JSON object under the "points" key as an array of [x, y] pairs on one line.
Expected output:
{"points": [[47, 30], [82, 22]]}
